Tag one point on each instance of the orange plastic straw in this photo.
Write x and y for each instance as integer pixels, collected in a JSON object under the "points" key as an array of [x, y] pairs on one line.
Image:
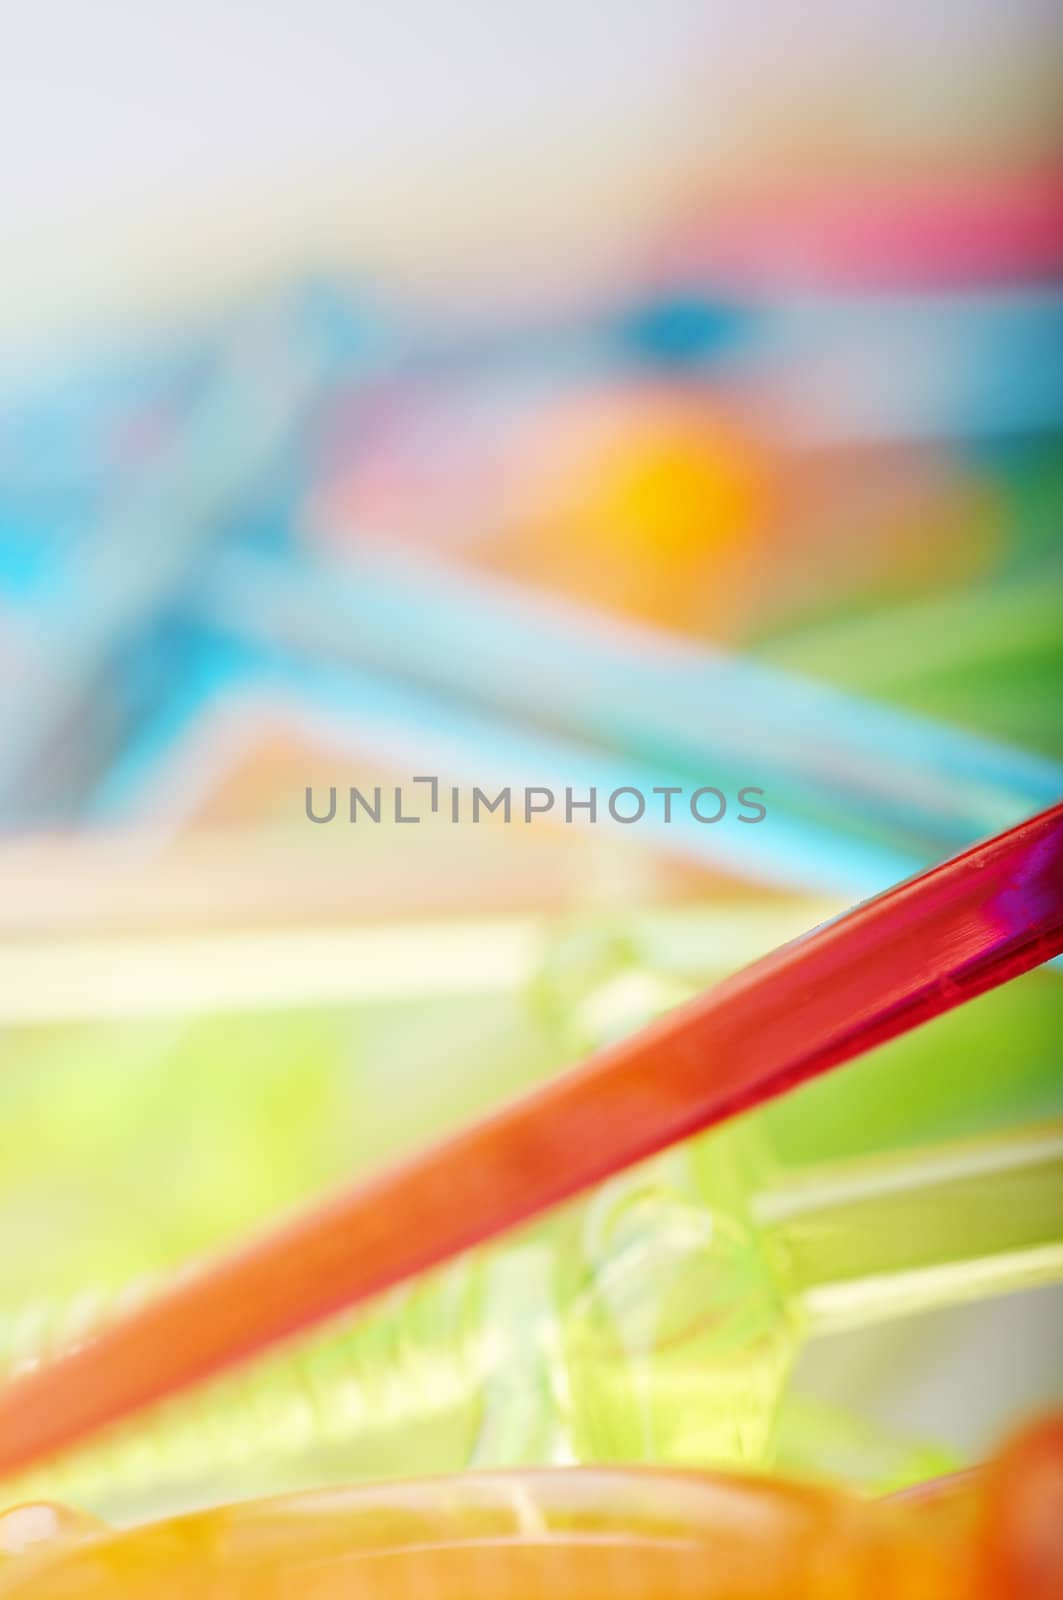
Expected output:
{"points": [[917, 951]]}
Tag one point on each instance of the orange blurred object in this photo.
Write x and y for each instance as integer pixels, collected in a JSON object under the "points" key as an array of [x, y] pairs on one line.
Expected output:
{"points": [[1022, 1550], [647, 502], [578, 1534]]}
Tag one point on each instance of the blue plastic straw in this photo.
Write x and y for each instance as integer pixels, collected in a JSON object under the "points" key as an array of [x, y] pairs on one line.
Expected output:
{"points": [[833, 758], [123, 572]]}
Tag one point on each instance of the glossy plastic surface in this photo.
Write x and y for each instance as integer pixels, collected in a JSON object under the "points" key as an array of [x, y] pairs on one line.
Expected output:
{"points": [[984, 917], [618, 1535]]}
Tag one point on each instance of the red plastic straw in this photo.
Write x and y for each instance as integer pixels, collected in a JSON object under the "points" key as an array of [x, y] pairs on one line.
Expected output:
{"points": [[924, 947]]}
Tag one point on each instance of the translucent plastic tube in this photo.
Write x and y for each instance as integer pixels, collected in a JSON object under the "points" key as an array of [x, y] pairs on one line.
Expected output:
{"points": [[632, 1292], [657, 1322]]}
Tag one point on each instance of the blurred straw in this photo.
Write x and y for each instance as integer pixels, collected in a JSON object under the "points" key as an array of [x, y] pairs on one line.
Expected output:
{"points": [[123, 572], [713, 715]]}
